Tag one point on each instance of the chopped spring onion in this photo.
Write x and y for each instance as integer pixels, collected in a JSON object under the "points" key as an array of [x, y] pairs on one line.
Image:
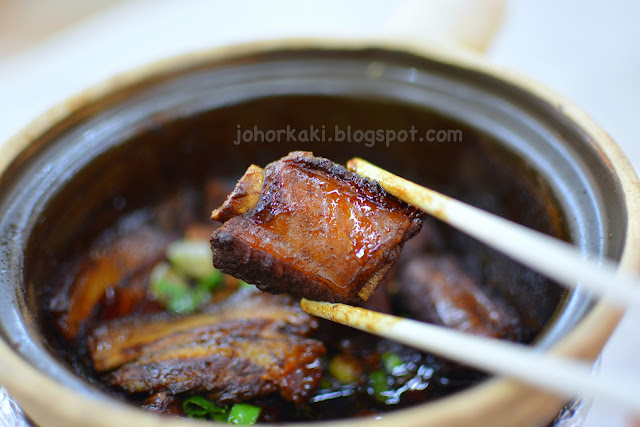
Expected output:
{"points": [[201, 408], [379, 384], [392, 363], [166, 284], [243, 413], [324, 384], [191, 257], [163, 272], [345, 369], [212, 281], [183, 304], [244, 284], [173, 291]]}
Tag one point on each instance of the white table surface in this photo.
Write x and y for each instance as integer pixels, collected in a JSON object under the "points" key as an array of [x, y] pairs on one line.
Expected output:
{"points": [[585, 49]]}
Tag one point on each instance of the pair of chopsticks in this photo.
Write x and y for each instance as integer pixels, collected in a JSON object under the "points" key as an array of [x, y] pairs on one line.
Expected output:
{"points": [[556, 259]]}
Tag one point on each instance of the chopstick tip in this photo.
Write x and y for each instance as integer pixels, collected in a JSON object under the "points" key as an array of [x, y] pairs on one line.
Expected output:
{"points": [[356, 317], [352, 164]]}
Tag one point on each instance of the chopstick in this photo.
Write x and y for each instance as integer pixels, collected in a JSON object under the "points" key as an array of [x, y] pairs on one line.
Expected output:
{"points": [[564, 377], [552, 257]]}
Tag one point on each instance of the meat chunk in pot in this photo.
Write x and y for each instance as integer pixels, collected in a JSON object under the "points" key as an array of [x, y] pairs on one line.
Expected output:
{"points": [[253, 345], [436, 289], [123, 260]]}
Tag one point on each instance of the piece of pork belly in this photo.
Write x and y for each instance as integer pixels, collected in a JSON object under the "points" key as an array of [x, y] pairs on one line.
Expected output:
{"points": [[252, 345], [436, 289], [248, 311], [311, 228], [228, 369], [119, 260]]}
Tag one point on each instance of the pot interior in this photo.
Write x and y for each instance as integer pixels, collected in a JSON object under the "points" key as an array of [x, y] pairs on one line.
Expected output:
{"points": [[517, 157]]}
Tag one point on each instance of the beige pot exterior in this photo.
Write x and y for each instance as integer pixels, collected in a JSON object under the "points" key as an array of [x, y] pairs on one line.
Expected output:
{"points": [[496, 402]]}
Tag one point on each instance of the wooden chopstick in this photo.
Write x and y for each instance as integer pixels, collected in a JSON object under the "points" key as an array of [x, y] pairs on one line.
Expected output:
{"points": [[556, 259], [564, 377]]}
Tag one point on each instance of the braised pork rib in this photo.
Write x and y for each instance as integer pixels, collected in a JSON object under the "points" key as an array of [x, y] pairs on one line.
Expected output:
{"points": [[317, 231]]}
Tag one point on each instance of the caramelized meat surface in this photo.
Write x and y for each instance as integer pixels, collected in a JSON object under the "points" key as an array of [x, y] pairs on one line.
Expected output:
{"points": [[244, 196], [437, 290], [228, 369], [120, 261], [163, 403], [249, 346], [317, 231]]}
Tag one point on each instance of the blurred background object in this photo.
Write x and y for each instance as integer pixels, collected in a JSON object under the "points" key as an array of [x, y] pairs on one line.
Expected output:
{"points": [[26, 22], [471, 24]]}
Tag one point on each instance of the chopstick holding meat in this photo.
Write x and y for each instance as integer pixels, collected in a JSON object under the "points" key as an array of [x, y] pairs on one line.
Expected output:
{"points": [[316, 230]]}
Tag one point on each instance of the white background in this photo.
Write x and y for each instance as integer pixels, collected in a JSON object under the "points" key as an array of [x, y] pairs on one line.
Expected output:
{"points": [[587, 50]]}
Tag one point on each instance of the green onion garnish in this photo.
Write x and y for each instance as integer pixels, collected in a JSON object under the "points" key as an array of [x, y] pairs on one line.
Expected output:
{"points": [[212, 281], [183, 304], [191, 257], [392, 362], [165, 284], [344, 369], [244, 284], [243, 413], [172, 290], [324, 384], [379, 384], [201, 408]]}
